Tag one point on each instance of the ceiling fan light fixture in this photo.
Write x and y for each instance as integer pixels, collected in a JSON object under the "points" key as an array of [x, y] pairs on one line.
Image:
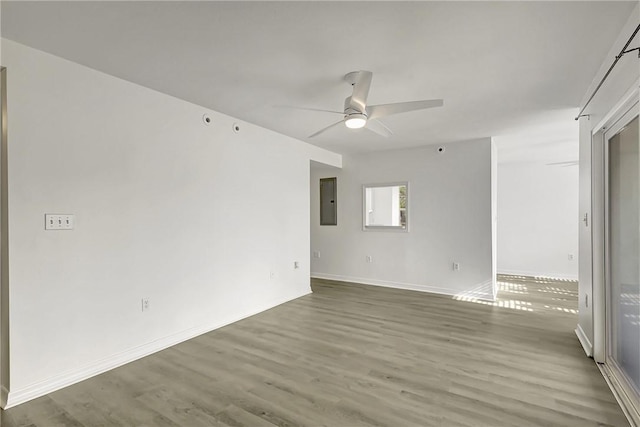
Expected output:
{"points": [[357, 112], [355, 121]]}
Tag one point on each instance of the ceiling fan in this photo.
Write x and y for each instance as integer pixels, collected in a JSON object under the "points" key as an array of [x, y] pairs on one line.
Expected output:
{"points": [[357, 114]]}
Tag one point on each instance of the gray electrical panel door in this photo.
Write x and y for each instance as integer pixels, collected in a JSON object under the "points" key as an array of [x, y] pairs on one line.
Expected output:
{"points": [[328, 202]]}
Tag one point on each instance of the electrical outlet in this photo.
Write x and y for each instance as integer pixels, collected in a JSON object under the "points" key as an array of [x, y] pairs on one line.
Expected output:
{"points": [[456, 266], [145, 304], [369, 258]]}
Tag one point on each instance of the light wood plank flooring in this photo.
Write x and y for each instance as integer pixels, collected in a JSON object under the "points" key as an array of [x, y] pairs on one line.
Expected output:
{"points": [[355, 355]]}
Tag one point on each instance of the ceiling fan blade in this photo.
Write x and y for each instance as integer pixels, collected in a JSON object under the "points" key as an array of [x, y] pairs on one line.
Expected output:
{"points": [[383, 110], [293, 107], [361, 90], [378, 127], [326, 129]]}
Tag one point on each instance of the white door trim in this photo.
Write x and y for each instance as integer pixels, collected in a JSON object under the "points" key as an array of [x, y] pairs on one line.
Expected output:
{"points": [[624, 104]]}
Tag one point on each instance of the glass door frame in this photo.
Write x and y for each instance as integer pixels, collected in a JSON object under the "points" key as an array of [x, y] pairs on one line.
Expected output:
{"points": [[603, 345], [4, 245]]}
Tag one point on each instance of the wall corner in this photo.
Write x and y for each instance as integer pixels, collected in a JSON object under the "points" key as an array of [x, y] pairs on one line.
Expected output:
{"points": [[494, 217]]}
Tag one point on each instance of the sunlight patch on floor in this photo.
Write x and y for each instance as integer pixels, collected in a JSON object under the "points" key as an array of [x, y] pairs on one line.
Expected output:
{"points": [[512, 288], [564, 309], [559, 291], [512, 304], [532, 294]]}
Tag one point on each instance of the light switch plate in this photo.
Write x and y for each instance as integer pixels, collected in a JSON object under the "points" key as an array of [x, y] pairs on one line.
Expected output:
{"points": [[59, 221]]}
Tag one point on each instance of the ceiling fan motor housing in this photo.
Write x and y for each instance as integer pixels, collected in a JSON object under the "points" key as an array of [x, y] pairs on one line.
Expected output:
{"points": [[348, 108], [353, 119]]}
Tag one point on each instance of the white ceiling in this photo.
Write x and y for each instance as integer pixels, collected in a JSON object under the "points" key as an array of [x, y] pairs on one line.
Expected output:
{"points": [[505, 69]]}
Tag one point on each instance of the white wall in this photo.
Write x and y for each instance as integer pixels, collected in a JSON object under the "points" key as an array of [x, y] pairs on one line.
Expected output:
{"points": [[450, 219], [194, 217], [537, 219], [622, 79]]}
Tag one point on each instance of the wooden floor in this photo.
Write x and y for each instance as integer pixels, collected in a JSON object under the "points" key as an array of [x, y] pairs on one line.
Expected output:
{"points": [[351, 355]]}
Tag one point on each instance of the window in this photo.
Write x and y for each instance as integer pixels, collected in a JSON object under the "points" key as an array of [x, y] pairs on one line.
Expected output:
{"points": [[385, 206]]}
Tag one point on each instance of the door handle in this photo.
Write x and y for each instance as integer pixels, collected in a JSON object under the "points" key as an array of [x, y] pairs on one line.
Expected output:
{"points": [[586, 219]]}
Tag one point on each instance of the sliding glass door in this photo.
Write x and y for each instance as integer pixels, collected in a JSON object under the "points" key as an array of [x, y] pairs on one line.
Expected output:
{"points": [[623, 254]]}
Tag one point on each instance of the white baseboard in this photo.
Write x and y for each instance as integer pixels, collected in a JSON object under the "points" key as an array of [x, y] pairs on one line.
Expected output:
{"points": [[400, 285], [15, 397], [584, 340], [538, 274]]}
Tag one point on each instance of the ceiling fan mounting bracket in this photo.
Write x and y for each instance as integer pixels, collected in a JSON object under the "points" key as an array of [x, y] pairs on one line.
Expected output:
{"points": [[351, 77]]}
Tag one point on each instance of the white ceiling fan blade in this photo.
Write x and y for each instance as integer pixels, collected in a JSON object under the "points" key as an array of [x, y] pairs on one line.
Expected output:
{"points": [[378, 127], [326, 129], [361, 90], [383, 110], [308, 109]]}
